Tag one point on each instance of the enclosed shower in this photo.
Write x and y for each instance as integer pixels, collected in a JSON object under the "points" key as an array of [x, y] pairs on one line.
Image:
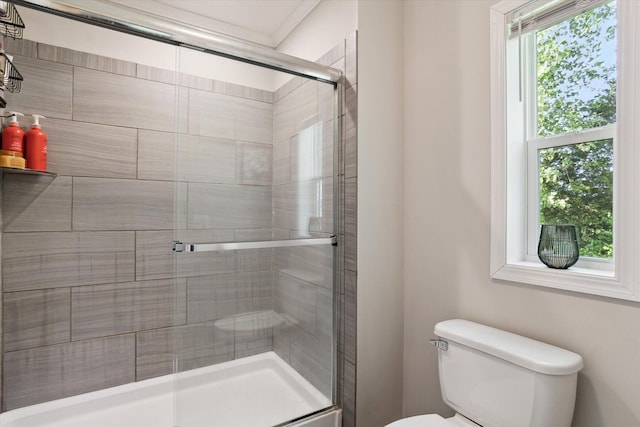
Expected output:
{"points": [[182, 261]]}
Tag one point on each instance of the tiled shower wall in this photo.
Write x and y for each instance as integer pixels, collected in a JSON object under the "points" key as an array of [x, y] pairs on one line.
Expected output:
{"points": [[347, 232], [302, 281], [89, 281], [93, 296], [303, 207]]}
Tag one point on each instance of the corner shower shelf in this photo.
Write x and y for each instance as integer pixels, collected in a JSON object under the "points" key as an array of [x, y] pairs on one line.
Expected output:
{"points": [[11, 24], [12, 80], [254, 320]]}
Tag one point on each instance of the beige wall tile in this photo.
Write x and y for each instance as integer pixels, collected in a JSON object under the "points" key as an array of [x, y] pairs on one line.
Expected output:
{"points": [[121, 204], [223, 116], [282, 162], [112, 99], [195, 345], [36, 318], [206, 159], [296, 111], [296, 300], [46, 89], [229, 206], [254, 164], [86, 149], [86, 60], [20, 47], [47, 373], [53, 260], [351, 60], [157, 155], [103, 310], [155, 74], [36, 203]]}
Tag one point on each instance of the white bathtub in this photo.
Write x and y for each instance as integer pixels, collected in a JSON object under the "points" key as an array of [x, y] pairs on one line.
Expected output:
{"points": [[256, 391]]}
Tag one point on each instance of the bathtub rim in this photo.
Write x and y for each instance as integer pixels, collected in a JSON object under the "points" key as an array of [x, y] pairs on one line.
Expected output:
{"points": [[170, 383]]}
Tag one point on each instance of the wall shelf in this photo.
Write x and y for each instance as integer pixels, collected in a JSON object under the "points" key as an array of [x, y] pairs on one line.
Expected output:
{"points": [[12, 79], [18, 171], [20, 188], [11, 24]]}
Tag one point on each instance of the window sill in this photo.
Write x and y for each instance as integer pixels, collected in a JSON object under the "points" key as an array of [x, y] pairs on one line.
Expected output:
{"points": [[590, 281]]}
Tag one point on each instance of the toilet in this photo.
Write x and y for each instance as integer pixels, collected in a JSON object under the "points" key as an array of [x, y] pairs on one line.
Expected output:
{"points": [[494, 378]]}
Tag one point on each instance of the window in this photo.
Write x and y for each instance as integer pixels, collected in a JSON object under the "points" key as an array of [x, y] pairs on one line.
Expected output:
{"points": [[563, 150], [571, 74]]}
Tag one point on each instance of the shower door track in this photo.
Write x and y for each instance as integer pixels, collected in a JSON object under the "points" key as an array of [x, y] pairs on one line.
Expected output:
{"points": [[178, 246], [166, 30]]}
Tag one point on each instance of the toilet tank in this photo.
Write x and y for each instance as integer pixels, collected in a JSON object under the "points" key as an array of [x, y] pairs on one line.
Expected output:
{"points": [[500, 379]]}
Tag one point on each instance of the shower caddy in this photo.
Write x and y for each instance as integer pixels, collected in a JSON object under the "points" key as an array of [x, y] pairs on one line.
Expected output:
{"points": [[11, 25]]}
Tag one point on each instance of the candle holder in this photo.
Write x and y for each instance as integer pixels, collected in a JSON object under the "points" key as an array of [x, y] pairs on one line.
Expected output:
{"points": [[558, 245]]}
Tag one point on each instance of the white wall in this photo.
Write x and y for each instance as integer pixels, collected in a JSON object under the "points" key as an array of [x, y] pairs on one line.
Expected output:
{"points": [[447, 230], [327, 25], [437, 229], [380, 212]]}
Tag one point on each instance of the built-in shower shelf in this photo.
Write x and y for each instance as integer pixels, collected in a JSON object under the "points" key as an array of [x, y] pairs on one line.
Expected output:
{"points": [[255, 320], [306, 275], [18, 171], [20, 187]]}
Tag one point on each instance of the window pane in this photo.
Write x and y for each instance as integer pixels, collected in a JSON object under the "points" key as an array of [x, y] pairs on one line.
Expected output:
{"points": [[576, 187], [576, 73]]}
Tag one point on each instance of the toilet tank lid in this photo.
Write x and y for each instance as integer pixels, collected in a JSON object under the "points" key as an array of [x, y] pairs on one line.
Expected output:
{"points": [[526, 352]]}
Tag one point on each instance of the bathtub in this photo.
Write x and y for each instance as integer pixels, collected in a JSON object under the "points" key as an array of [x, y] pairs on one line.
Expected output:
{"points": [[255, 391]]}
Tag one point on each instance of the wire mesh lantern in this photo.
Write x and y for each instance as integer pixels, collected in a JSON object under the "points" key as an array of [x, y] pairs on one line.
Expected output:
{"points": [[558, 245]]}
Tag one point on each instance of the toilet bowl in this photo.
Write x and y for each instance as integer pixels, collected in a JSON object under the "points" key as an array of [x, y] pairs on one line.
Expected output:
{"points": [[494, 378]]}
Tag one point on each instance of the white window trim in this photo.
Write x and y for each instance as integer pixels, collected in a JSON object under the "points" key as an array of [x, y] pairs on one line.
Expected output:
{"points": [[509, 260]]}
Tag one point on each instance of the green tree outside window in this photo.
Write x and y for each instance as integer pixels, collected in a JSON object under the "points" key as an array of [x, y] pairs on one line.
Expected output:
{"points": [[576, 90]]}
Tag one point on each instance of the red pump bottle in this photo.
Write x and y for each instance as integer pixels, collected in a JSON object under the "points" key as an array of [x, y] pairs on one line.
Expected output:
{"points": [[36, 146], [12, 135]]}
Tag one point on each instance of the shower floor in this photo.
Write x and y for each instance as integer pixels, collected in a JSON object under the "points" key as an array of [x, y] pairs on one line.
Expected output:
{"points": [[256, 391]]}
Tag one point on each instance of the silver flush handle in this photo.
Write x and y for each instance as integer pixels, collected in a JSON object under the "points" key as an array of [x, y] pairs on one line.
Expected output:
{"points": [[440, 344]]}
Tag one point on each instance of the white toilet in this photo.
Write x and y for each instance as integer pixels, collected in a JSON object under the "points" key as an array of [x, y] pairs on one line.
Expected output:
{"points": [[493, 378]]}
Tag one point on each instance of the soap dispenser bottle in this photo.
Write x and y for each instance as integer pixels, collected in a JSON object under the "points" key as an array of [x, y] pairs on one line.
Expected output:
{"points": [[12, 135], [36, 146]]}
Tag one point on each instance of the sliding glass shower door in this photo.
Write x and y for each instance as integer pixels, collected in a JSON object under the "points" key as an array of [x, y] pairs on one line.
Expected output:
{"points": [[254, 245], [178, 266]]}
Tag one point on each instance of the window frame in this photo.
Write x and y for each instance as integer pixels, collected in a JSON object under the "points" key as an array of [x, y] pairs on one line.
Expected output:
{"points": [[511, 256]]}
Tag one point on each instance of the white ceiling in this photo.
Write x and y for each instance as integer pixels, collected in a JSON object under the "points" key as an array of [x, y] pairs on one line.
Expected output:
{"points": [[265, 22]]}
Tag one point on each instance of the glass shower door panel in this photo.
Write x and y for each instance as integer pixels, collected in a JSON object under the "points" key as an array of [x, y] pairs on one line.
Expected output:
{"points": [[254, 174]]}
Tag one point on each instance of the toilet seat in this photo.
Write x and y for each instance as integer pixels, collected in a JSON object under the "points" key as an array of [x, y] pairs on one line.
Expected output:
{"points": [[431, 420], [434, 420]]}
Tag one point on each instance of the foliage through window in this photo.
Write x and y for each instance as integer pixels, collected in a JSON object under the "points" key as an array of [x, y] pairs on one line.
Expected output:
{"points": [[575, 65], [576, 73]]}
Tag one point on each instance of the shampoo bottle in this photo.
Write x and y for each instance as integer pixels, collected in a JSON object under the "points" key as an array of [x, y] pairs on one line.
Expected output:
{"points": [[12, 135], [36, 146]]}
